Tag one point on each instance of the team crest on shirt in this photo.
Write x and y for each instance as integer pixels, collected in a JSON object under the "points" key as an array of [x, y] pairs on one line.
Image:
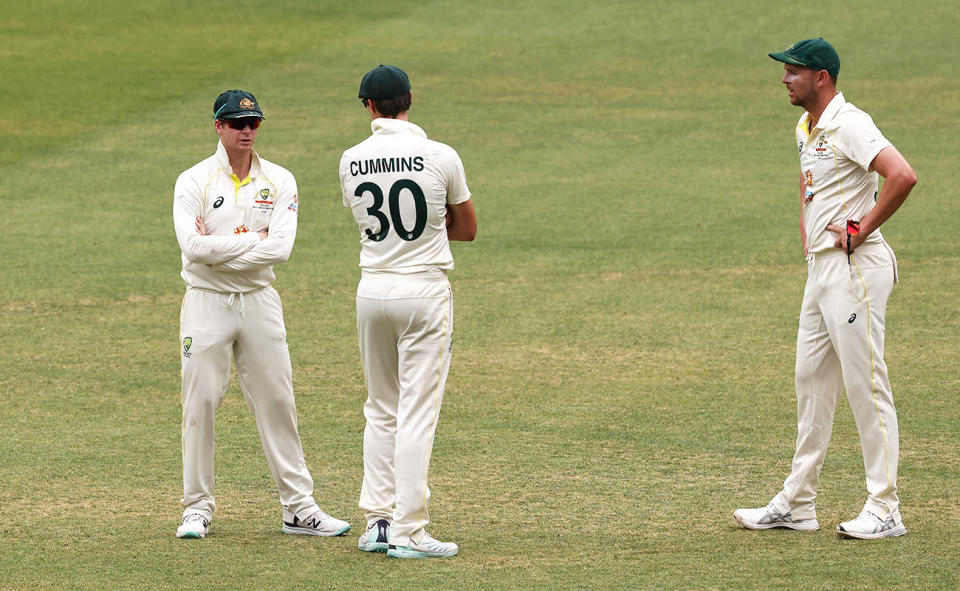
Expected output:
{"points": [[821, 150], [187, 341], [263, 201]]}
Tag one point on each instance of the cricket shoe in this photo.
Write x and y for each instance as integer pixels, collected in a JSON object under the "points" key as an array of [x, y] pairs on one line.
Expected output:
{"points": [[318, 524], [768, 518], [193, 525], [869, 526], [376, 538], [427, 547]]}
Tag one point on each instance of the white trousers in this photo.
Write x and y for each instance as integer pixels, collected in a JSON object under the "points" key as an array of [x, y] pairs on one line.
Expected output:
{"points": [[404, 326], [214, 326], [840, 344]]}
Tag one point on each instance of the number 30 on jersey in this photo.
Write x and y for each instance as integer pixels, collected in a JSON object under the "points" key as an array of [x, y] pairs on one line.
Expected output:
{"points": [[393, 202]]}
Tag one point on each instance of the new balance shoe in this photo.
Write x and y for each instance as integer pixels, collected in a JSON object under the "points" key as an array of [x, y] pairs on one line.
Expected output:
{"points": [[427, 547], [318, 524], [376, 538], [193, 525], [768, 518], [868, 526]]}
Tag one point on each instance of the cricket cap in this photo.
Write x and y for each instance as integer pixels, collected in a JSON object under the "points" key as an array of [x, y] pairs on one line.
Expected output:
{"points": [[384, 82], [234, 104], [815, 54]]}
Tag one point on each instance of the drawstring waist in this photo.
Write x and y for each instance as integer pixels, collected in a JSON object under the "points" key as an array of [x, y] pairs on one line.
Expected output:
{"points": [[234, 296], [242, 308]]}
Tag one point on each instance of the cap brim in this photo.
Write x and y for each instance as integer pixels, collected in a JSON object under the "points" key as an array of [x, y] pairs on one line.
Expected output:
{"points": [[242, 115], [783, 57]]}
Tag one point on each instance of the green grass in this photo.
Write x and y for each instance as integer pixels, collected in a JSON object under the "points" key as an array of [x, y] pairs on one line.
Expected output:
{"points": [[625, 321]]}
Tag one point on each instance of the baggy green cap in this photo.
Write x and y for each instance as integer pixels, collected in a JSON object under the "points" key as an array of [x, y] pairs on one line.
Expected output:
{"points": [[384, 82], [816, 54], [234, 104]]}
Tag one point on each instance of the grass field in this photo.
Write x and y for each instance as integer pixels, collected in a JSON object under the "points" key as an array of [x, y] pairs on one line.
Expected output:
{"points": [[625, 322]]}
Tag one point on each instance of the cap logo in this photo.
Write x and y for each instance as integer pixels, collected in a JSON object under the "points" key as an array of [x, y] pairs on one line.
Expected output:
{"points": [[247, 104]]}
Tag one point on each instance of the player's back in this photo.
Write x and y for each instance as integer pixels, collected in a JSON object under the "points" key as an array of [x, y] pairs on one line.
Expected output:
{"points": [[398, 183]]}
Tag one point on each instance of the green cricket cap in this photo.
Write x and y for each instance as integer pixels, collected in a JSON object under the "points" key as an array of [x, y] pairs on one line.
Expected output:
{"points": [[234, 104], [384, 82], [816, 54]]}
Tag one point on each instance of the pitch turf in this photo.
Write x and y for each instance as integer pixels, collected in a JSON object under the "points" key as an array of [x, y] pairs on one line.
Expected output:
{"points": [[622, 378]]}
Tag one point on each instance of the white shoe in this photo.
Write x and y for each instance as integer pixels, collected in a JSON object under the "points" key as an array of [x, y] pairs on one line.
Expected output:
{"points": [[193, 525], [868, 526], [318, 524], [376, 538], [427, 547], [768, 517]]}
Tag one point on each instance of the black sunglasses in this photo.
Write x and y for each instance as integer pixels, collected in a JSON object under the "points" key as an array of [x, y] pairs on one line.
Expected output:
{"points": [[242, 122]]}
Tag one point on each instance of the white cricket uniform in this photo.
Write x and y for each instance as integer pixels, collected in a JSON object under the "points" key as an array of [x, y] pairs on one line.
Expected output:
{"points": [[841, 332], [229, 308], [398, 184]]}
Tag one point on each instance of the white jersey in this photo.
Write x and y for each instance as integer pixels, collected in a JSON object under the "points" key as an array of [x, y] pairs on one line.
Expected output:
{"points": [[231, 257], [835, 162], [398, 184]]}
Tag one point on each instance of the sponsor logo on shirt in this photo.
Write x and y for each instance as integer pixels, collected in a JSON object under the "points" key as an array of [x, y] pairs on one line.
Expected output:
{"points": [[241, 229]]}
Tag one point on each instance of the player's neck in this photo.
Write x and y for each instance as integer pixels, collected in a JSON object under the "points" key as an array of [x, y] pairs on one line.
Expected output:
{"points": [[240, 163], [399, 116], [817, 109]]}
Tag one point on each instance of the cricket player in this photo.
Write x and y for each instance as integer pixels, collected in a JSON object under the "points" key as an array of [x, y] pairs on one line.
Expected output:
{"points": [[410, 198], [851, 272], [236, 216]]}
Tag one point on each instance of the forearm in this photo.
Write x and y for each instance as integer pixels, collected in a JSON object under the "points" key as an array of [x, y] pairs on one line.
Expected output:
{"points": [[461, 221], [270, 251], [210, 250], [892, 195]]}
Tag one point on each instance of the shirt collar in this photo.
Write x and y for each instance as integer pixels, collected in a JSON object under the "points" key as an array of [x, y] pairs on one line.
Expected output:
{"points": [[383, 125], [224, 161], [833, 107]]}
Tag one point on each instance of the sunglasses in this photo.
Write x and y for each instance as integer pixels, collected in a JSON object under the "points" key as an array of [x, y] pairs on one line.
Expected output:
{"points": [[242, 122]]}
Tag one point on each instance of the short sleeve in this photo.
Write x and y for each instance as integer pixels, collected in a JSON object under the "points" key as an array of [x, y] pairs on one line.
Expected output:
{"points": [[860, 140], [457, 190]]}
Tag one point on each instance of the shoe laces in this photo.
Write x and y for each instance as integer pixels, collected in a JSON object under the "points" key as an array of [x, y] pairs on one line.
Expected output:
{"points": [[431, 542], [316, 518], [194, 517]]}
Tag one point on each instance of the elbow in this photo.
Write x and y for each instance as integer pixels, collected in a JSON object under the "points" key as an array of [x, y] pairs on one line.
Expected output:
{"points": [[462, 233], [906, 177], [284, 255], [198, 258], [911, 178]]}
